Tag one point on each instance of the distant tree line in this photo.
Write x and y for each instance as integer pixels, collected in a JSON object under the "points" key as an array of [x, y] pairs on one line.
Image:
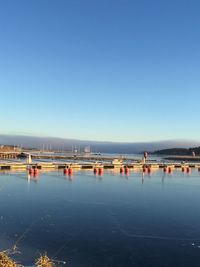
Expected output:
{"points": [[195, 151]]}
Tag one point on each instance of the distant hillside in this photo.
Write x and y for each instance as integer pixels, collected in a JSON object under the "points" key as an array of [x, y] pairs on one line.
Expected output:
{"points": [[54, 143], [179, 151]]}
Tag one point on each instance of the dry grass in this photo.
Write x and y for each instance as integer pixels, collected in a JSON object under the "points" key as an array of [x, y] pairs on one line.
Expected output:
{"points": [[44, 261], [6, 261]]}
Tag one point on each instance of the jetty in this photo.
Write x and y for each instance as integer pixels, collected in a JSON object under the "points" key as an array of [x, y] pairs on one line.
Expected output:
{"points": [[12, 165], [24, 160]]}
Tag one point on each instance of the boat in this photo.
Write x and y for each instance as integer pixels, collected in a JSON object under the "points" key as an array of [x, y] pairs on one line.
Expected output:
{"points": [[117, 162]]}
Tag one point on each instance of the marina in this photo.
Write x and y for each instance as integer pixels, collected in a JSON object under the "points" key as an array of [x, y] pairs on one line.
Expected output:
{"points": [[99, 139]]}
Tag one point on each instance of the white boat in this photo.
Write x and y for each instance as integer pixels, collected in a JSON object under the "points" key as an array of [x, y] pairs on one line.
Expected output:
{"points": [[117, 161]]}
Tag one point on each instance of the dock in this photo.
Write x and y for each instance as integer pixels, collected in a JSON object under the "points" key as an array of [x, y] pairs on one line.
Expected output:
{"points": [[7, 165], [25, 160]]}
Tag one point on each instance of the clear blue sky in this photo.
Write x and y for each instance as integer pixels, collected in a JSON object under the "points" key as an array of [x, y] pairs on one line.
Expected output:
{"points": [[114, 70]]}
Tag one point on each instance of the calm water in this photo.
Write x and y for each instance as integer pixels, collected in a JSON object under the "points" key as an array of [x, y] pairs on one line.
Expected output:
{"points": [[113, 220]]}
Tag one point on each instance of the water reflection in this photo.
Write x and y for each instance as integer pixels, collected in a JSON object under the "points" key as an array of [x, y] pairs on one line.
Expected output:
{"points": [[163, 178], [32, 177], [142, 177], [70, 177]]}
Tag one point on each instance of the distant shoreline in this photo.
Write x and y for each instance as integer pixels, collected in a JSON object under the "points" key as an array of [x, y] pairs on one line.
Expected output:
{"points": [[183, 158]]}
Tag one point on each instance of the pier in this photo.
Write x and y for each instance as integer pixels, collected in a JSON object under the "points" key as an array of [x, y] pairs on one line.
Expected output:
{"points": [[18, 160], [6, 165]]}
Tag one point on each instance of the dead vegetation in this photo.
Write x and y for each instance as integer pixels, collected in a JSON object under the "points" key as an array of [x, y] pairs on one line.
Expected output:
{"points": [[6, 261], [44, 261]]}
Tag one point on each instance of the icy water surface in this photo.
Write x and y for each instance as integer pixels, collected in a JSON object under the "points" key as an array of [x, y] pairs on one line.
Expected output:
{"points": [[109, 220]]}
